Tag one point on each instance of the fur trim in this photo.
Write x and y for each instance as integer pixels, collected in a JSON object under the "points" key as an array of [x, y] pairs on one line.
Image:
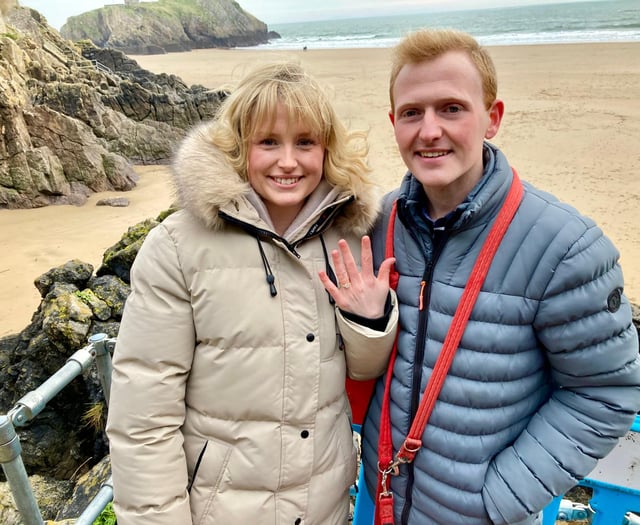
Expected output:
{"points": [[205, 182]]}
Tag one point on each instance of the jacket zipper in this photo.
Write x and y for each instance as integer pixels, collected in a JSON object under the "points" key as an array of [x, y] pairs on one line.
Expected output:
{"points": [[316, 229], [439, 239], [258, 232]]}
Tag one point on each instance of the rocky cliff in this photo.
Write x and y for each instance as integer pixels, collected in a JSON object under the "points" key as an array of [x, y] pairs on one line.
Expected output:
{"points": [[167, 26], [74, 117]]}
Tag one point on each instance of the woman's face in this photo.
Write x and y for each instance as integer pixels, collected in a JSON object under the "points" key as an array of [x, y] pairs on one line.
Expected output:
{"points": [[285, 163]]}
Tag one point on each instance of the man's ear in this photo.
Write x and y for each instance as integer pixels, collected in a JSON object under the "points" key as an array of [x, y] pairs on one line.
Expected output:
{"points": [[495, 118], [392, 118]]}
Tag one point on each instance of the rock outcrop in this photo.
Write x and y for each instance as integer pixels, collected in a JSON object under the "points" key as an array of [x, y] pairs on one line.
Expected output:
{"points": [[163, 26], [64, 447], [74, 117]]}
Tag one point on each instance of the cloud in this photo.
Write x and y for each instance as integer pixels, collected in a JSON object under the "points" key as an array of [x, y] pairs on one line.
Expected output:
{"points": [[57, 11]]}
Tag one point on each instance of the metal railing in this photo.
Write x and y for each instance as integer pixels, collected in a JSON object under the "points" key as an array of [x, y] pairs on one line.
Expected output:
{"points": [[94, 64], [101, 67], [29, 406]]}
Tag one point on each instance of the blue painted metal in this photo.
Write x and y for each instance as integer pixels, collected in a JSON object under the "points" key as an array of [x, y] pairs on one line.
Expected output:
{"points": [[611, 502], [572, 511]]}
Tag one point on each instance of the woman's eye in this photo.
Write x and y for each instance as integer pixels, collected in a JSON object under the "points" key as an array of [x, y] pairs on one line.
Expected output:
{"points": [[306, 142], [268, 142]]}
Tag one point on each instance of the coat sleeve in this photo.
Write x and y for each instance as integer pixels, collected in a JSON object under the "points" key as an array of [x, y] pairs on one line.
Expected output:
{"points": [[367, 351], [151, 364], [584, 324]]}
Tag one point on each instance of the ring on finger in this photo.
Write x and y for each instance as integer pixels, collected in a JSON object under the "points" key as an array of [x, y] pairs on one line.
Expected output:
{"points": [[346, 284]]}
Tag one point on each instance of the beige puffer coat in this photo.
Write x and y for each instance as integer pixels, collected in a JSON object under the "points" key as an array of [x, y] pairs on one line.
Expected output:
{"points": [[227, 403]]}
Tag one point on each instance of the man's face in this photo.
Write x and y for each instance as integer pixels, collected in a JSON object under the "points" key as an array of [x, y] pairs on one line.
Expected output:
{"points": [[440, 122]]}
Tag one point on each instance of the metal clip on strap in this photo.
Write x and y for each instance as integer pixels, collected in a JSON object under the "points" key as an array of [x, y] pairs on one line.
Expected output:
{"points": [[408, 450]]}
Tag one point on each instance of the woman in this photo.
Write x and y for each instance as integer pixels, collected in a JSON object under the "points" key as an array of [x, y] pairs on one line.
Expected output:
{"points": [[227, 401]]}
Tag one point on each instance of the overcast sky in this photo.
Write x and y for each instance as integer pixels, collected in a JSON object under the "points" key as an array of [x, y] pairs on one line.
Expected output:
{"points": [[279, 11]]}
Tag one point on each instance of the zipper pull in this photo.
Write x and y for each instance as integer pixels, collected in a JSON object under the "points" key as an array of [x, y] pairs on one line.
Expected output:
{"points": [[423, 285]]}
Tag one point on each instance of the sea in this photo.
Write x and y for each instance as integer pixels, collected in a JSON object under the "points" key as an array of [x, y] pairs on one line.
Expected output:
{"points": [[575, 22]]}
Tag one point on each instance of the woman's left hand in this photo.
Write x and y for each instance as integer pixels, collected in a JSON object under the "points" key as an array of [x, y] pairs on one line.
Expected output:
{"points": [[359, 292]]}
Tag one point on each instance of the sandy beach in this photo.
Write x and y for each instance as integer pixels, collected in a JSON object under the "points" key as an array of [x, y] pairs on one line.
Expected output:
{"points": [[571, 127]]}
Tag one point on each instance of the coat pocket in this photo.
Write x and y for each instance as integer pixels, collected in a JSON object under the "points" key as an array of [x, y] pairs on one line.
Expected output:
{"points": [[208, 476]]}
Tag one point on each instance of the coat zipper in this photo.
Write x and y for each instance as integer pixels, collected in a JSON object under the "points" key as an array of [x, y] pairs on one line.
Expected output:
{"points": [[439, 239], [259, 232], [316, 229]]}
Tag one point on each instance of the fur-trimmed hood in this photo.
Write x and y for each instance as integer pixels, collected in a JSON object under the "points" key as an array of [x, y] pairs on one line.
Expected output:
{"points": [[205, 183]]}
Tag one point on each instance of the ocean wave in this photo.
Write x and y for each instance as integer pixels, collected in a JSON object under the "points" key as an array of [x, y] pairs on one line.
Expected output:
{"points": [[605, 21]]}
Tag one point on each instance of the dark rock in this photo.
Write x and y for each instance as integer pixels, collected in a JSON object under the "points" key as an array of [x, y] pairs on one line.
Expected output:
{"points": [[67, 319], [118, 259], [99, 308], [113, 291], [73, 272], [110, 328], [148, 96], [85, 490]]}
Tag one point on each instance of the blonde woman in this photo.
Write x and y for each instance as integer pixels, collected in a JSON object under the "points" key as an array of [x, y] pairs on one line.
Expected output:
{"points": [[228, 401]]}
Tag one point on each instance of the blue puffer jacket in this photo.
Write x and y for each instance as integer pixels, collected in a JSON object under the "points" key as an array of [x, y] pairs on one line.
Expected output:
{"points": [[546, 377]]}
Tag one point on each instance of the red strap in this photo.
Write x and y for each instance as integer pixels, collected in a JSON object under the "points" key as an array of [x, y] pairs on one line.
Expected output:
{"points": [[385, 426], [384, 497], [412, 444], [394, 276]]}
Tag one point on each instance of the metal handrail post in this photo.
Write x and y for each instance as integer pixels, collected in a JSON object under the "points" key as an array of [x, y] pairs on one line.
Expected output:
{"points": [[30, 405], [13, 467], [97, 504], [100, 345]]}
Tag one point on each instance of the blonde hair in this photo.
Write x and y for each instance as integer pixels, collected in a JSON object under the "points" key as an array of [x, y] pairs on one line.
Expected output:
{"points": [[429, 44], [254, 101]]}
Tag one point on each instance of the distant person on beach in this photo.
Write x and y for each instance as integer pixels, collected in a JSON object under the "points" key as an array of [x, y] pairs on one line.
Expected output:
{"points": [[545, 378], [228, 399]]}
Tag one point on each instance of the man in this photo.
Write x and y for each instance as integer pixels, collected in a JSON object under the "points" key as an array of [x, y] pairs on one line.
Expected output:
{"points": [[546, 376]]}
